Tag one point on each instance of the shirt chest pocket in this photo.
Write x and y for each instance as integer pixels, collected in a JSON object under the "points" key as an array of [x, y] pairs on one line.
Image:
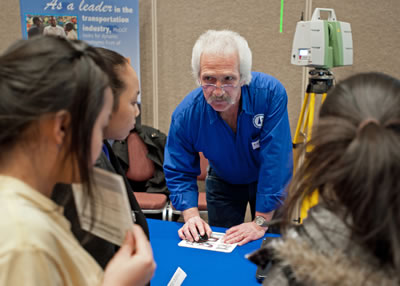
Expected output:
{"points": [[255, 142], [255, 149]]}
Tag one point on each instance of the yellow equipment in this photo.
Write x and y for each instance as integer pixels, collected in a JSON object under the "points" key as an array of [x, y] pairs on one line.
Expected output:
{"points": [[320, 80], [321, 45]]}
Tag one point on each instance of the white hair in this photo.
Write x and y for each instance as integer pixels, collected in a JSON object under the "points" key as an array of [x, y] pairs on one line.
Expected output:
{"points": [[223, 42]]}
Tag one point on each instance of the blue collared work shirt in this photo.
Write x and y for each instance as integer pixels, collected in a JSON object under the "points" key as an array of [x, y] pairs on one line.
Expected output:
{"points": [[260, 150]]}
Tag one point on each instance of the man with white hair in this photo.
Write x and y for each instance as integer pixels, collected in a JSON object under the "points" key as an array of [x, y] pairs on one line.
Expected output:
{"points": [[239, 120]]}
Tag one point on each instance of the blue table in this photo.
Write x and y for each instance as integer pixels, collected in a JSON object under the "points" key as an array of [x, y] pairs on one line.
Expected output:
{"points": [[201, 266]]}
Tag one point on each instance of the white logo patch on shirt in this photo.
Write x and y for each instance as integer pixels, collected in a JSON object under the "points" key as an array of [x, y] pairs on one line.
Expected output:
{"points": [[256, 144], [258, 120]]}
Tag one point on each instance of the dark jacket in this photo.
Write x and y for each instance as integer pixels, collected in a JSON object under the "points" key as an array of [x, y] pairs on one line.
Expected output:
{"points": [[101, 250], [320, 252], [155, 141]]}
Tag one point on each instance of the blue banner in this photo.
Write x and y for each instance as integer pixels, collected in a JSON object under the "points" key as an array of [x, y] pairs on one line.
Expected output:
{"points": [[111, 24]]}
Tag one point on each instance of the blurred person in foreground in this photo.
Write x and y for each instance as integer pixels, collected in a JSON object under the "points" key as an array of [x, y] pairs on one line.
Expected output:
{"points": [[352, 237], [55, 104]]}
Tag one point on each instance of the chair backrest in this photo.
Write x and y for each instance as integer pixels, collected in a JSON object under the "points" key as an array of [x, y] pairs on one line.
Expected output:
{"points": [[140, 168], [153, 203]]}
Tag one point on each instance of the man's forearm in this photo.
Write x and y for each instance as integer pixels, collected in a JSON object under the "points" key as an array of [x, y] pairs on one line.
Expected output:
{"points": [[189, 213], [261, 223], [268, 216]]}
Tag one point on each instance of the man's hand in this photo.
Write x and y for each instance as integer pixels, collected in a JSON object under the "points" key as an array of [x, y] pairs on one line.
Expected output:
{"points": [[247, 231], [194, 225], [244, 233]]}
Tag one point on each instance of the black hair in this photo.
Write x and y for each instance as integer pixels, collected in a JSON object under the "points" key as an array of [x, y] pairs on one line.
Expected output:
{"points": [[116, 63], [46, 74], [36, 19], [69, 26], [354, 162]]}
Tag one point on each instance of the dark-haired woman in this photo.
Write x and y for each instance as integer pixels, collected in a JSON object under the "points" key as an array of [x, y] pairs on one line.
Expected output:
{"points": [[55, 103], [124, 84]]}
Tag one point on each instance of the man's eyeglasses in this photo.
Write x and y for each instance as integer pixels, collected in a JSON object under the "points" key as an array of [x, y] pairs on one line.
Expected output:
{"points": [[209, 87]]}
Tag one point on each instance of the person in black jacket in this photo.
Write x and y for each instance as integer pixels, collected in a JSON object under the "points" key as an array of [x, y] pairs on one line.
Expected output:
{"points": [[37, 28], [151, 143], [125, 86]]}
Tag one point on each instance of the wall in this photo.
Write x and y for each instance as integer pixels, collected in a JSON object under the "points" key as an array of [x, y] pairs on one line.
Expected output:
{"points": [[10, 23], [180, 23], [376, 43], [375, 26]]}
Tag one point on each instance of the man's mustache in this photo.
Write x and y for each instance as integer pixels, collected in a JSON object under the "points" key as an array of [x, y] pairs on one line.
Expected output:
{"points": [[226, 98]]}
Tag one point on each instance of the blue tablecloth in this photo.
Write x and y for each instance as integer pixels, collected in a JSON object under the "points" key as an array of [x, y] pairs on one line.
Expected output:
{"points": [[201, 266]]}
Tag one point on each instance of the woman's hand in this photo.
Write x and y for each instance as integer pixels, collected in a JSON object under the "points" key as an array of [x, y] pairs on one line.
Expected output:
{"points": [[133, 264]]}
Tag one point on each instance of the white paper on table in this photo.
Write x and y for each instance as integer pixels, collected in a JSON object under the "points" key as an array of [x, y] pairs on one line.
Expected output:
{"points": [[178, 277], [113, 215], [213, 243]]}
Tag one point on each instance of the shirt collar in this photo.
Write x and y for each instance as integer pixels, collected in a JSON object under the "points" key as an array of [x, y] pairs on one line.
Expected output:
{"points": [[245, 105], [26, 192], [212, 114], [105, 150]]}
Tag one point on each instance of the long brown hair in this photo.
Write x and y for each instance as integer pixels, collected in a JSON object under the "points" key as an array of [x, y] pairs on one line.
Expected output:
{"points": [[355, 162], [46, 74]]}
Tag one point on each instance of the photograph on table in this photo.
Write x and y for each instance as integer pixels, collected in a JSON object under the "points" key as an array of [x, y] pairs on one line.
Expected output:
{"points": [[214, 243]]}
